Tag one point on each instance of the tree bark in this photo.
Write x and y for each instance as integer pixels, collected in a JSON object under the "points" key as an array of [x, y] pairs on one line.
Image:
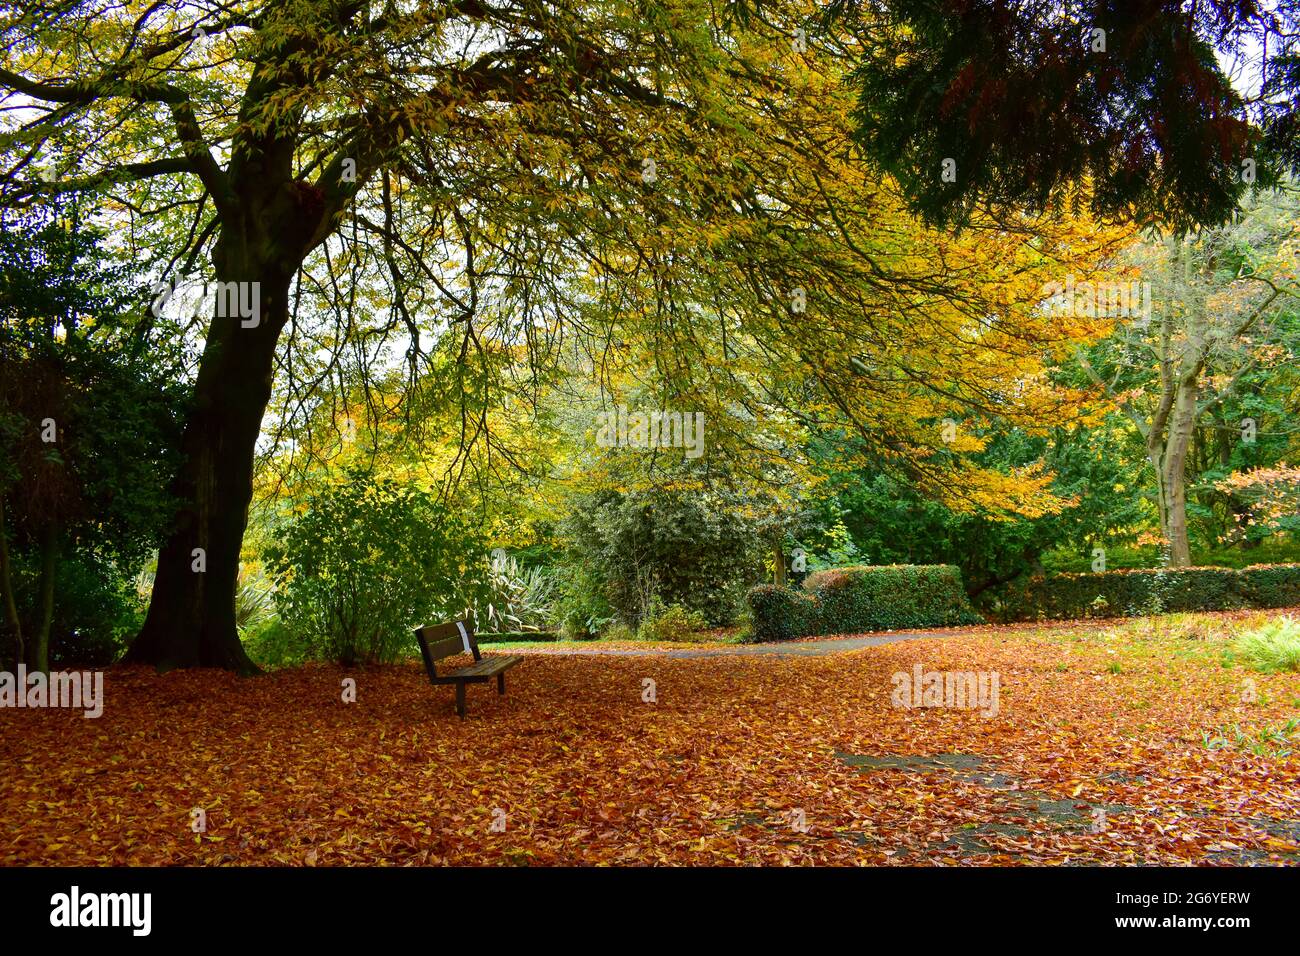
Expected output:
{"points": [[38, 651], [1182, 421], [191, 619], [7, 592]]}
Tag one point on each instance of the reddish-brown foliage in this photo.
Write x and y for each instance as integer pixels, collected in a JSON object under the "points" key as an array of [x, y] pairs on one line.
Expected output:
{"points": [[742, 760]]}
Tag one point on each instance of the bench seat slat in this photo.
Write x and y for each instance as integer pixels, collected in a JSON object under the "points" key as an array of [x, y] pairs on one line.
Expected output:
{"points": [[487, 667]]}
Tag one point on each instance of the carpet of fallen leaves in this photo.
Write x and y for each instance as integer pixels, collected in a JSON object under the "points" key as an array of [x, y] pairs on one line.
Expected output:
{"points": [[1097, 755]]}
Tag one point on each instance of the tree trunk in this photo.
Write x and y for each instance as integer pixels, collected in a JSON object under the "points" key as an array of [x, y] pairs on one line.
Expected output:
{"points": [[38, 651], [1182, 421], [778, 563], [17, 653], [191, 619]]}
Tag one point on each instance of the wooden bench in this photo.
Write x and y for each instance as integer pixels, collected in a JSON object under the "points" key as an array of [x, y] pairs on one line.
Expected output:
{"points": [[439, 641]]}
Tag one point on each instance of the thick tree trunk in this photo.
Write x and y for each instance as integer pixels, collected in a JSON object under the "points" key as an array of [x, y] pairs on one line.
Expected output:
{"points": [[191, 619]]}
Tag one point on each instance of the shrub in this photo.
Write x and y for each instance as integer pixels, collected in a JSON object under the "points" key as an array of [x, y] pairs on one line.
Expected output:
{"points": [[1274, 646], [96, 610], [1131, 592], [269, 643], [581, 609], [254, 599], [670, 624], [889, 597], [1270, 585], [850, 600], [780, 614], [368, 563], [518, 598], [618, 631], [689, 548]]}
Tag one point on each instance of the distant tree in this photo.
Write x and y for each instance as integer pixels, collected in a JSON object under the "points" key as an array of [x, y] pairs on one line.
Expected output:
{"points": [[88, 412], [1225, 307]]}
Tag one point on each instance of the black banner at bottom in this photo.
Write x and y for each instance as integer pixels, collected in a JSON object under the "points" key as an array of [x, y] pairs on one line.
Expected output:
{"points": [[532, 906]]}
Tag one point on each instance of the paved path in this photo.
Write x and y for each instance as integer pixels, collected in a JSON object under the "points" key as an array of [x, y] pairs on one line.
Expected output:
{"points": [[791, 649]]}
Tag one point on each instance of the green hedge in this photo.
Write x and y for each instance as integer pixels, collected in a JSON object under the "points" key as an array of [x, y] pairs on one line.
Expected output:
{"points": [[1270, 585], [1145, 591], [858, 599], [779, 614]]}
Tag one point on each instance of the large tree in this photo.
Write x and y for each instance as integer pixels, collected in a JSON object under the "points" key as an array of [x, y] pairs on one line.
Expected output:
{"points": [[462, 190], [278, 117]]}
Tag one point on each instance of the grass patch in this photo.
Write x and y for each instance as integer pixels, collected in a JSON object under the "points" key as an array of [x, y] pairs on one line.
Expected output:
{"points": [[1273, 646], [1263, 742]]}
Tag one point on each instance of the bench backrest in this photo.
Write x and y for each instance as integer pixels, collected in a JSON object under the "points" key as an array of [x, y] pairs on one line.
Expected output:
{"points": [[445, 640]]}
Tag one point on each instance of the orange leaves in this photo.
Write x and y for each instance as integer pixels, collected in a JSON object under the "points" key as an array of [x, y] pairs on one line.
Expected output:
{"points": [[753, 760]]}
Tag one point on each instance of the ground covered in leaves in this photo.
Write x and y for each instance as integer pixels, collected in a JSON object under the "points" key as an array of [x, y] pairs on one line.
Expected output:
{"points": [[1137, 743]]}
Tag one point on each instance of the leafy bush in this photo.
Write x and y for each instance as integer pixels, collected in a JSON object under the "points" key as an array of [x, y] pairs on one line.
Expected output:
{"points": [[518, 598], [96, 610], [1275, 585], [890, 597], [368, 563], [581, 608], [1274, 646], [689, 548], [1131, 592], [618, 631], [270, 643], [850, 600], [670, 624]]}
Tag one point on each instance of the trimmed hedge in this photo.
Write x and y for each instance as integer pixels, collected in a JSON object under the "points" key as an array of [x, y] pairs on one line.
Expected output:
{"points": [[780, 614], [857, 599], [1270, 585], [1134, 592]]}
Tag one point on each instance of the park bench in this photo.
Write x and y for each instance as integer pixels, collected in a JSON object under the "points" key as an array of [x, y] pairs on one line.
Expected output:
{"points": [[439, 641]]}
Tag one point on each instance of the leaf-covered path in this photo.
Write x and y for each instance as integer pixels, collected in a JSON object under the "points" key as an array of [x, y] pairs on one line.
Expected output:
{"points": [[1097, 754], [817, 648]]}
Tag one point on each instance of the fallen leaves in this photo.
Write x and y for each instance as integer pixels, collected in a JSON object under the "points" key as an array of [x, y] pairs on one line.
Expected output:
{"points": [[742, 760]]}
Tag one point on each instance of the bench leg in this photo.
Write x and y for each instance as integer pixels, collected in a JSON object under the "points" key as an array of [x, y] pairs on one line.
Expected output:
{"points": [[460, 699], [501, 683]]}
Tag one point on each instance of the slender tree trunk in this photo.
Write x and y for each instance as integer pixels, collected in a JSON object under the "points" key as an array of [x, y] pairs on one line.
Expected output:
{"points": [[38, 652], [778, 563], [191, 619], [1155, 455], [7, 593], [1182, 421]]}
